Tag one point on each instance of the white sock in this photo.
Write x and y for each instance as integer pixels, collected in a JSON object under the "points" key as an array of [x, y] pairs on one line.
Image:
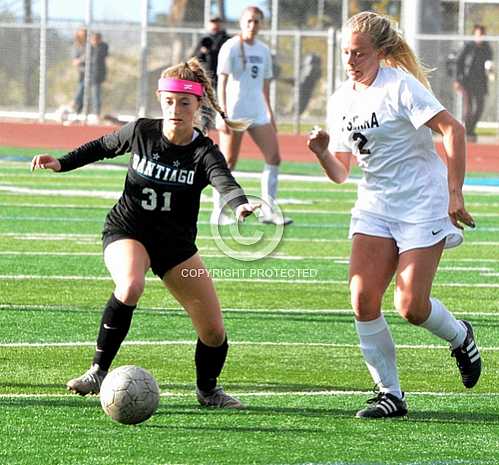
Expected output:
{"points": [[442, 323], [377, 346], [268, 185]]}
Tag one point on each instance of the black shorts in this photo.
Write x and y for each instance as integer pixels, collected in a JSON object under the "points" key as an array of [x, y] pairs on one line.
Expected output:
{"points": [[164, 255]]}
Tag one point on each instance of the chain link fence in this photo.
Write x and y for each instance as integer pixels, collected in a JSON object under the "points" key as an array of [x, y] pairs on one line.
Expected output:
{"points": [[39, 79]]}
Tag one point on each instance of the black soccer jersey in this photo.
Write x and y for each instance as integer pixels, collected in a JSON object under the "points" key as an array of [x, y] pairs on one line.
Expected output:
{"points": [[164, 181]]}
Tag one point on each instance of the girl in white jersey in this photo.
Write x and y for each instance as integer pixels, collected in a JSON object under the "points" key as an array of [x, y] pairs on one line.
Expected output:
{"points": [[409, 207], [244, 74]]}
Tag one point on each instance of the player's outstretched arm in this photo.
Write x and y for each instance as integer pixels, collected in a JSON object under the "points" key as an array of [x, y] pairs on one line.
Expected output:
{"points": [[45, 162]]}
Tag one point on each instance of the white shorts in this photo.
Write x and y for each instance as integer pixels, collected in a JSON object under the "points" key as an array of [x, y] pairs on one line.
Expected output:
{"points": [[255, 111], [407, 236]]}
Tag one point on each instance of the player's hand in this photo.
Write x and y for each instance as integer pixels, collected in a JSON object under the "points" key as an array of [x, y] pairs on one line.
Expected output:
{"points": [[458, 214], [45, 162], [245, 210], [318, 141]]}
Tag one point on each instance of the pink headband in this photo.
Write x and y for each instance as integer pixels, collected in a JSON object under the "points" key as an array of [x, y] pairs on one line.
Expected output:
{"points": [[179, 85]]}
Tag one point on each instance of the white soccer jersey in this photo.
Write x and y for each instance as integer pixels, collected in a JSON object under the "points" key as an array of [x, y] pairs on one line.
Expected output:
{"points": [[383, 126], [244, 90]]}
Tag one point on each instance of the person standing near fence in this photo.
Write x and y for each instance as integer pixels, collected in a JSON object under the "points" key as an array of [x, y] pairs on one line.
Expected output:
{"points": [[153, 224], [78, 53], [209, 46], [98, 70], [409, 206], [206, 51], [244, 75], [472, 66]]}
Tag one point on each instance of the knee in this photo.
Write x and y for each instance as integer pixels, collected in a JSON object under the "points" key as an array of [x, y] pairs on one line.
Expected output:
{"points": [[211, 330], [213, 335], [411, 307], [365, 303], [274, 159], [130, 292]]}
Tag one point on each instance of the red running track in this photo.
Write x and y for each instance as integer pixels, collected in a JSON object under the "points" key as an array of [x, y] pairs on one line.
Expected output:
{"points": [[482, 157]]}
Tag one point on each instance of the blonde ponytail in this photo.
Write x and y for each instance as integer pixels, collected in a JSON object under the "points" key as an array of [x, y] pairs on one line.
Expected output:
{"points": [[387, 38], [192, 70]]}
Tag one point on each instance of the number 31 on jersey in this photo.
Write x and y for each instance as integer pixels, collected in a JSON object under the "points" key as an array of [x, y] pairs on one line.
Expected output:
{"points": [[151, 203]]}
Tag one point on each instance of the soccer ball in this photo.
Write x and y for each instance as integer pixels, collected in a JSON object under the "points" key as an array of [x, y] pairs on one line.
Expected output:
{"points": [[129, 394]]}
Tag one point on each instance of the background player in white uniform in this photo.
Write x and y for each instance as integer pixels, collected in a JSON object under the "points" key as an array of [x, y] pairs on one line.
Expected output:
{"points": [[153, 224], [408, 208], [244, 74]]}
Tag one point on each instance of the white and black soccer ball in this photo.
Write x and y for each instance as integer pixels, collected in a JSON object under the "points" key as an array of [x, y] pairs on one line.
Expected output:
{"points": [[129, 394]]}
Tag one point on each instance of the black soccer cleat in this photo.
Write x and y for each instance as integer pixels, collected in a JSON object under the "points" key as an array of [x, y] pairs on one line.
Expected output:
{"points": [[384, 405], [468, 358], [218, 398]]}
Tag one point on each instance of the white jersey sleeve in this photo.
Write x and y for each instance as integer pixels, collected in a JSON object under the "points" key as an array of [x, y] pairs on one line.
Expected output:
{"points": [[417, 103]]}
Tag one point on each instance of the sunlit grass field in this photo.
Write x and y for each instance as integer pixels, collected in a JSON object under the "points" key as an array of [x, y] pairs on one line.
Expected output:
{"points": [[294, 357]]}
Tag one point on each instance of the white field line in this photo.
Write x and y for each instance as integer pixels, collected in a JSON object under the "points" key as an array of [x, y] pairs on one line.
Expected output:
{"points": [[299, 225], [327, 345], [71, 236], [49, 219], [31, 178], [314, 393], [265, 311], [482, 204], [26, 277], [54, 206], [293, 178], [62, 192], [206, 210], [322, 179], [51, 254], [48, 236], [336, 260]]}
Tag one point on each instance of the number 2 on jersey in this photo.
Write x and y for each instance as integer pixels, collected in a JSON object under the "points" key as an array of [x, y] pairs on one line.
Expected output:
{"points": [[152, 200], [357, 136]]}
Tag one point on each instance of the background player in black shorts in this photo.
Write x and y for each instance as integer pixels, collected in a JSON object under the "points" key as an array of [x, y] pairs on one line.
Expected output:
{"points": [[153, 224]]}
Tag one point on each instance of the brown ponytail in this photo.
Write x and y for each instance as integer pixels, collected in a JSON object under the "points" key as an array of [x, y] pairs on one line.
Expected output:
{"points": [[193, 71]]}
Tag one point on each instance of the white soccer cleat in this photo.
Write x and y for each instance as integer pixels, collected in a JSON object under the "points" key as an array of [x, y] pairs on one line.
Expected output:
{"points": [[88, 383]]}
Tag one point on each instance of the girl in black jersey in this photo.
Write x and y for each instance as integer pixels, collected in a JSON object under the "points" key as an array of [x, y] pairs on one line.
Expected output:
{"points": [[153, 224]]}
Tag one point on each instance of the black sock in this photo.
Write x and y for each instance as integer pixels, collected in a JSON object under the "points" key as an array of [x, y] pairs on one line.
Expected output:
{"points": [[114, 326], [209, 364]]}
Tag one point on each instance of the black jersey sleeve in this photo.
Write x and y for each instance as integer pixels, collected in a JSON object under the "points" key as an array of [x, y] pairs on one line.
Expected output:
{"points": [[108, 146], [220, 177]]}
